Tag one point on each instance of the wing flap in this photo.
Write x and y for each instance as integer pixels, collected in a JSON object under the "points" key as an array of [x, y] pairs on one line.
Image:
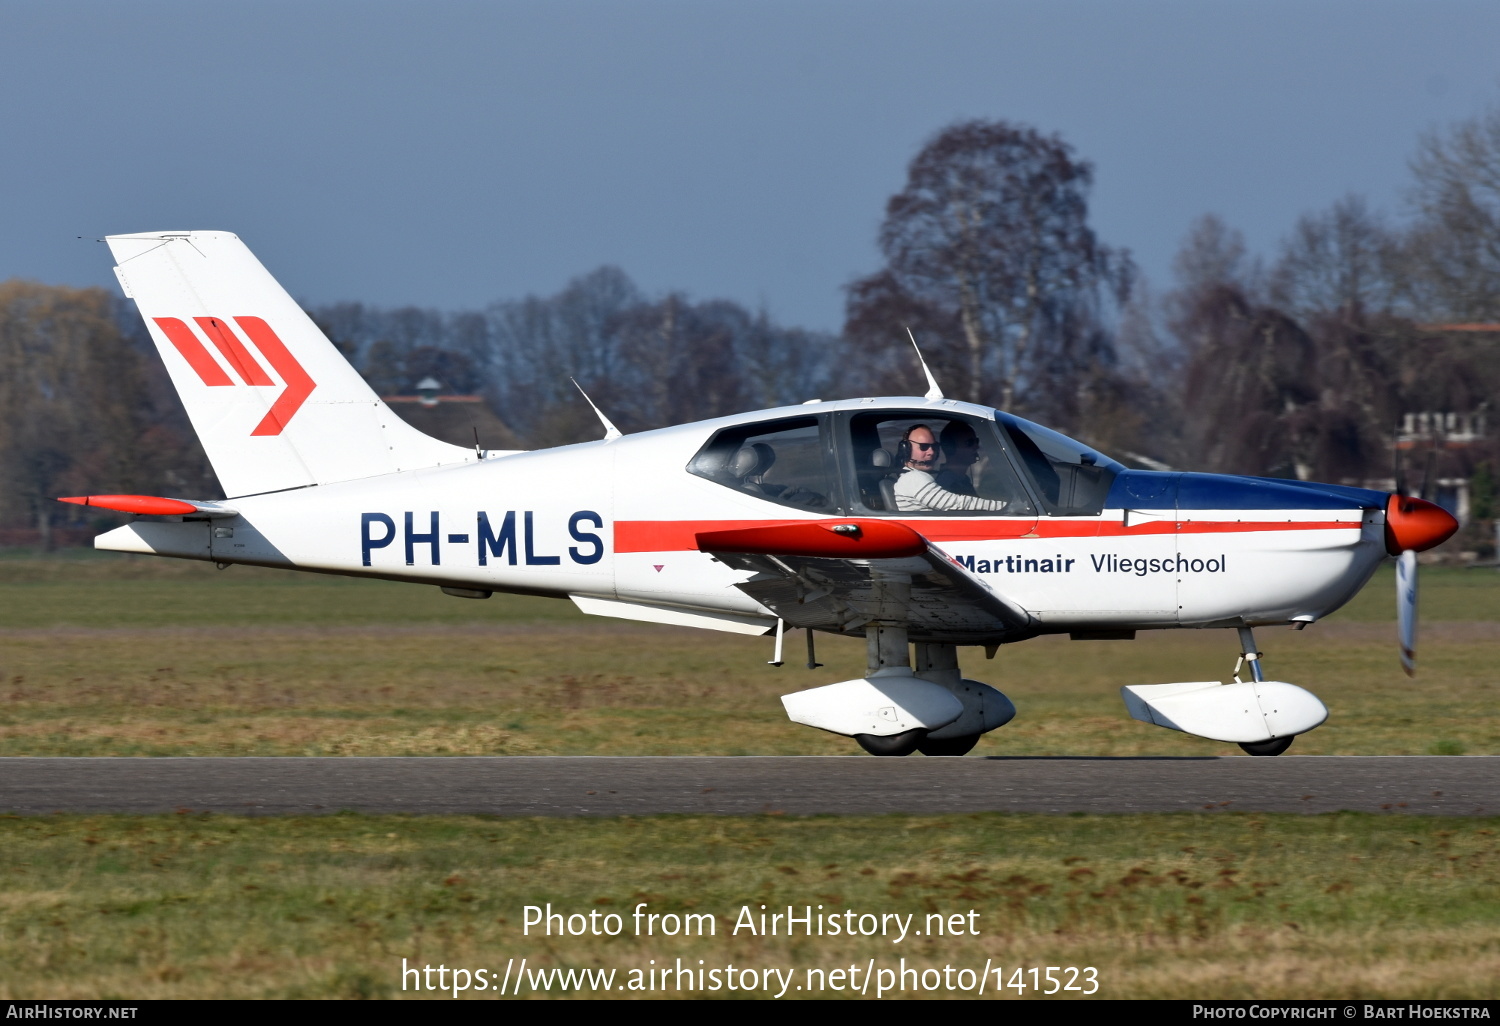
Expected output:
{"points": [[926, 591]]}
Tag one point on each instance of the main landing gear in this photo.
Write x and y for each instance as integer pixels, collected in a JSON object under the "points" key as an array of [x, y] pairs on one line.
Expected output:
{"points": [[904, 705], [904, 743], [951, 746], [910, 741]]}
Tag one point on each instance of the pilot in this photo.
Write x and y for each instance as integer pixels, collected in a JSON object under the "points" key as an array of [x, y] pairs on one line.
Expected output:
{"points": [[960, 446], [917, 490]]}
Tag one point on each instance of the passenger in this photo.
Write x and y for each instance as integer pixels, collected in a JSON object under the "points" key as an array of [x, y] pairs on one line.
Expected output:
{"points": [[960, 446], [917, 490]]}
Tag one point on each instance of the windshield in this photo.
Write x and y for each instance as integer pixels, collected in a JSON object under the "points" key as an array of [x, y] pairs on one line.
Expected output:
{"points": [[1071, 478]]}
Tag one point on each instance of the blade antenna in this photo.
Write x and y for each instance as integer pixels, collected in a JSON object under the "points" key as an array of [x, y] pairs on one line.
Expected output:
{"points": [[933, 391], [610, 431]]}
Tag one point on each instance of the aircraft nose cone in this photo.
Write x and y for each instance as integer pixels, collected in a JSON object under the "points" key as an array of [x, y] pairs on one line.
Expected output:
{"points": [[1416, 524]]}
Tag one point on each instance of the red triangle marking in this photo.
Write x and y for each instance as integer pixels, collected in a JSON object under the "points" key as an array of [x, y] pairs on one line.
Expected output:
{"points": [[658, 566], [299, 384]]}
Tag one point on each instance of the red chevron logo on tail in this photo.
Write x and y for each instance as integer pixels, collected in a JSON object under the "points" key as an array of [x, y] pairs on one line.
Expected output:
{"points": [[299, 384]]}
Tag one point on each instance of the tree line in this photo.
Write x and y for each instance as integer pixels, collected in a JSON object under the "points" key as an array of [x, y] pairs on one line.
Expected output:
{"points": [[1297, 365], [647, 361]]}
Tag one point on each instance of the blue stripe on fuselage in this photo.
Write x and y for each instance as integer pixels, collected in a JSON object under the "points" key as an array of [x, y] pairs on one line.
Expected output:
{"points": [[1148, 489]]}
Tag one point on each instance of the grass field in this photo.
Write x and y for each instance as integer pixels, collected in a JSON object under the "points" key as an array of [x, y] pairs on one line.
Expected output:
{"points": [[1338, 906], [104, 655]]}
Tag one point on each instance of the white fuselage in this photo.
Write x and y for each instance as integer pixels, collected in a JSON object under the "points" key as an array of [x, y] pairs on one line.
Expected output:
{"points": [[617, 520]]}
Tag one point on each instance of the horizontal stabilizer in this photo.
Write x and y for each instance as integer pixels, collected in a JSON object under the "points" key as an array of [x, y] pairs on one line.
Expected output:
{"points": [[152, 506], [187, 539]]}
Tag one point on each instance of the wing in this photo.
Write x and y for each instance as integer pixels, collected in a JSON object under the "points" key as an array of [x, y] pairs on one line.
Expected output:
{"points": [[838, 575]]}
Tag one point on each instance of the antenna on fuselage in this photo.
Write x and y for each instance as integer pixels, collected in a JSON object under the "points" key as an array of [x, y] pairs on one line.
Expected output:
{"points": [[610, 431], [933, 391]]}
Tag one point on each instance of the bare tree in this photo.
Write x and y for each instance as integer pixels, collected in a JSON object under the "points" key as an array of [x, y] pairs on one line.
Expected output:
{"points": [[1451, 259], [1249, 387], [1336, 260], [879, 312], [80, 408], [1212, 255], [647, 362], [539, 342], [1265, 394], [988, 248]]}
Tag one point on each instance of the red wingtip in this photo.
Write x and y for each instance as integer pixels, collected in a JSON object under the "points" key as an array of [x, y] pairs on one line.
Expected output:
{"points": [[1416, 524], [148, 505]]}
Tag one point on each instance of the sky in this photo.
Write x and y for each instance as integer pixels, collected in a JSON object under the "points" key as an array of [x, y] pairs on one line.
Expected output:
{"points": [[451, 154]]}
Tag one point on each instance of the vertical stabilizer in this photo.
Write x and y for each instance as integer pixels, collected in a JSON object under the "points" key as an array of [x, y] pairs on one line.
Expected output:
{"points": [[274, 403]]}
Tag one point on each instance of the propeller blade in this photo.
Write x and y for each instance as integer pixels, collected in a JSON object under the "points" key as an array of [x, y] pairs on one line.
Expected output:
{"points": [[1426, 492], [1398, 468], [1406, 610]]}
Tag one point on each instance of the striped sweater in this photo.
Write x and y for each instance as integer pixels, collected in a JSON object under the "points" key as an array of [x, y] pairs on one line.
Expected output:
{"points": [[916, 491]]}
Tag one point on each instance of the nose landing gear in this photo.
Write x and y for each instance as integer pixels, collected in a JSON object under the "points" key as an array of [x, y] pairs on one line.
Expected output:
{"points": [[1273, 747], [1261, 716], [1251, 655]]}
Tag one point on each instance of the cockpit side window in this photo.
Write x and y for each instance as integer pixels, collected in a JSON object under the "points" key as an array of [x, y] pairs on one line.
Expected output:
{"points": [[967, 472], [782, 461], [1071, 478]]}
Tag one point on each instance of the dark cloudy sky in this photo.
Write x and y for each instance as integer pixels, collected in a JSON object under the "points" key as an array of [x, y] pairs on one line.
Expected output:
{"points": [[449, 154]]}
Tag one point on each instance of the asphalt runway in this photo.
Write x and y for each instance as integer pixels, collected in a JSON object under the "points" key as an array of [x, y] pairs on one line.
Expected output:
{"points": [[562, 786]]}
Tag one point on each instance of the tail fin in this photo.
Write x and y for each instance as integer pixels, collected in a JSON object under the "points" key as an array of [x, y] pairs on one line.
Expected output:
{"points": [[274, 403]]}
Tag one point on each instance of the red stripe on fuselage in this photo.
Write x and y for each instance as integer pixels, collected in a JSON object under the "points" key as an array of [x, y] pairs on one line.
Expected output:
{"points": [[681, 535]]}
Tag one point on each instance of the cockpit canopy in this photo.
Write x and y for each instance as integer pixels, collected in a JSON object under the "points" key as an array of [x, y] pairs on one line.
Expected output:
{"points": [[909, 463]]}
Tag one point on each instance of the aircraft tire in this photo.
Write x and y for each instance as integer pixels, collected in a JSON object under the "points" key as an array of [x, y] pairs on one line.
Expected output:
{"points": [[903, 743], [948, 745], [1273, 747]]}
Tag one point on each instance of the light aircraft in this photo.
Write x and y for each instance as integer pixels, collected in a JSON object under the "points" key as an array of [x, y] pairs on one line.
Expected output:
{"points": [[805, 517]]}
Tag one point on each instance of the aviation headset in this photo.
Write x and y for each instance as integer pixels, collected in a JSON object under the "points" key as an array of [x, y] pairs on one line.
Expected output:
{"points": [[903, 451]]}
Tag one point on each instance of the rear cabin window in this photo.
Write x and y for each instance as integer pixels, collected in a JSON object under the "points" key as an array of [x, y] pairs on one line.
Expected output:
{"points": [[967, 472], [784, 461], [1071, 479]]}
